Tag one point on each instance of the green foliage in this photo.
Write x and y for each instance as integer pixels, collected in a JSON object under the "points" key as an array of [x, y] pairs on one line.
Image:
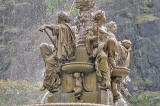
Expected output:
{"points": [[55, 5], [19, 93], [145, 9], [1, 0], [50, 4], [108, 0], [148, 82], [2, 7], [11, 1], [146, 98], [60, 5], [149, 3], [129, 15], [145, 18]]}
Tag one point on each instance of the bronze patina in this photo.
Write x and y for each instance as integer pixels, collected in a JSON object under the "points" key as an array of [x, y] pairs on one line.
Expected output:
{"points": [[86, 64]]}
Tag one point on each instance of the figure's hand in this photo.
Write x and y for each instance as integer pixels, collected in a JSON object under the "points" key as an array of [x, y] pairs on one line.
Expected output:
{"points": [[43, 27], [126, 44]]}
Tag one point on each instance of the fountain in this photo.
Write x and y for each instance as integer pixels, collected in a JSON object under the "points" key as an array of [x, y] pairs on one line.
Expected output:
{"points": [[73, 75]]}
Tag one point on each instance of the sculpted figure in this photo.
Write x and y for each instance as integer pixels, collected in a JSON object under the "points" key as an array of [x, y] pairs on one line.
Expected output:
{"points": [[63, 50], [122, 56], [96, 37], [109, 54], [121, 49]]}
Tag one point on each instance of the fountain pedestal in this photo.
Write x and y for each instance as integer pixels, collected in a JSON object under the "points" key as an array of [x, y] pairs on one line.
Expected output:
{"points": [[79, 82], [78, 77]]}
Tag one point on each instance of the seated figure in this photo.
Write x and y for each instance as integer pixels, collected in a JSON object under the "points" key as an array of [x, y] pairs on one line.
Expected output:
{"points": [[121, 49], [62, 50]]}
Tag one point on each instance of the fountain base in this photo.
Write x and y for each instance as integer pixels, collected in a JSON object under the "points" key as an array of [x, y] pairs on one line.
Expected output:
{"points": [[68, 104]]}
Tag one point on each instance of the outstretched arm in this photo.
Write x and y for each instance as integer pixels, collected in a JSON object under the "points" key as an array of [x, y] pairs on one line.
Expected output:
{"points": [[52, 28]]}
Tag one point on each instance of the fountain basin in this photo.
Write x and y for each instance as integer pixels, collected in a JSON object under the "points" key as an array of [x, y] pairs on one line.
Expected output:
{"points": [[68, 104], [80, 67], [122, 73]]}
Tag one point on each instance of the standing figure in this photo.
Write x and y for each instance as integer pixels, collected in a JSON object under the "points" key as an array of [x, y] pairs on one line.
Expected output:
{"points": [[63, 50], [96, 37]]}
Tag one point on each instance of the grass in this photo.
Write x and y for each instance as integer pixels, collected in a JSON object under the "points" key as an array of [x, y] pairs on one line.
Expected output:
{"points": [[146, 98]]}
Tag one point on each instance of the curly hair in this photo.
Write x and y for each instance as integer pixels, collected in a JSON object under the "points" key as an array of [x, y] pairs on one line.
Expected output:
{"points": [[111, 24], [63, 16], [98, 15]]}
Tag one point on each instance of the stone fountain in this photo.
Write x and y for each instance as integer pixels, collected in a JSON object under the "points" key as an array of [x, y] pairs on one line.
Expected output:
{"points": [[73, 68]]}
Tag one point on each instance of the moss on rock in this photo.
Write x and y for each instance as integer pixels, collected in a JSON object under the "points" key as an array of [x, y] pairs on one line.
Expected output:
{"points": [[145, 18], [109, 0]]}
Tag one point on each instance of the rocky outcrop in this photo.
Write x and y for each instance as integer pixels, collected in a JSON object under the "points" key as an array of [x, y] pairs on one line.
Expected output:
{"points": [[17, 37]]}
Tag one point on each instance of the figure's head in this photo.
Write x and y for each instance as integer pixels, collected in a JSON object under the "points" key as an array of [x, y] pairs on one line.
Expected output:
{"points": [[99, 17], [63, 17], [112, 26], [126, 44]]}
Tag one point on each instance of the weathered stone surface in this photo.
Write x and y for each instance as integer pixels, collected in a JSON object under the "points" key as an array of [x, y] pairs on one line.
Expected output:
{"points": [[97, 97], [68, 104]]}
